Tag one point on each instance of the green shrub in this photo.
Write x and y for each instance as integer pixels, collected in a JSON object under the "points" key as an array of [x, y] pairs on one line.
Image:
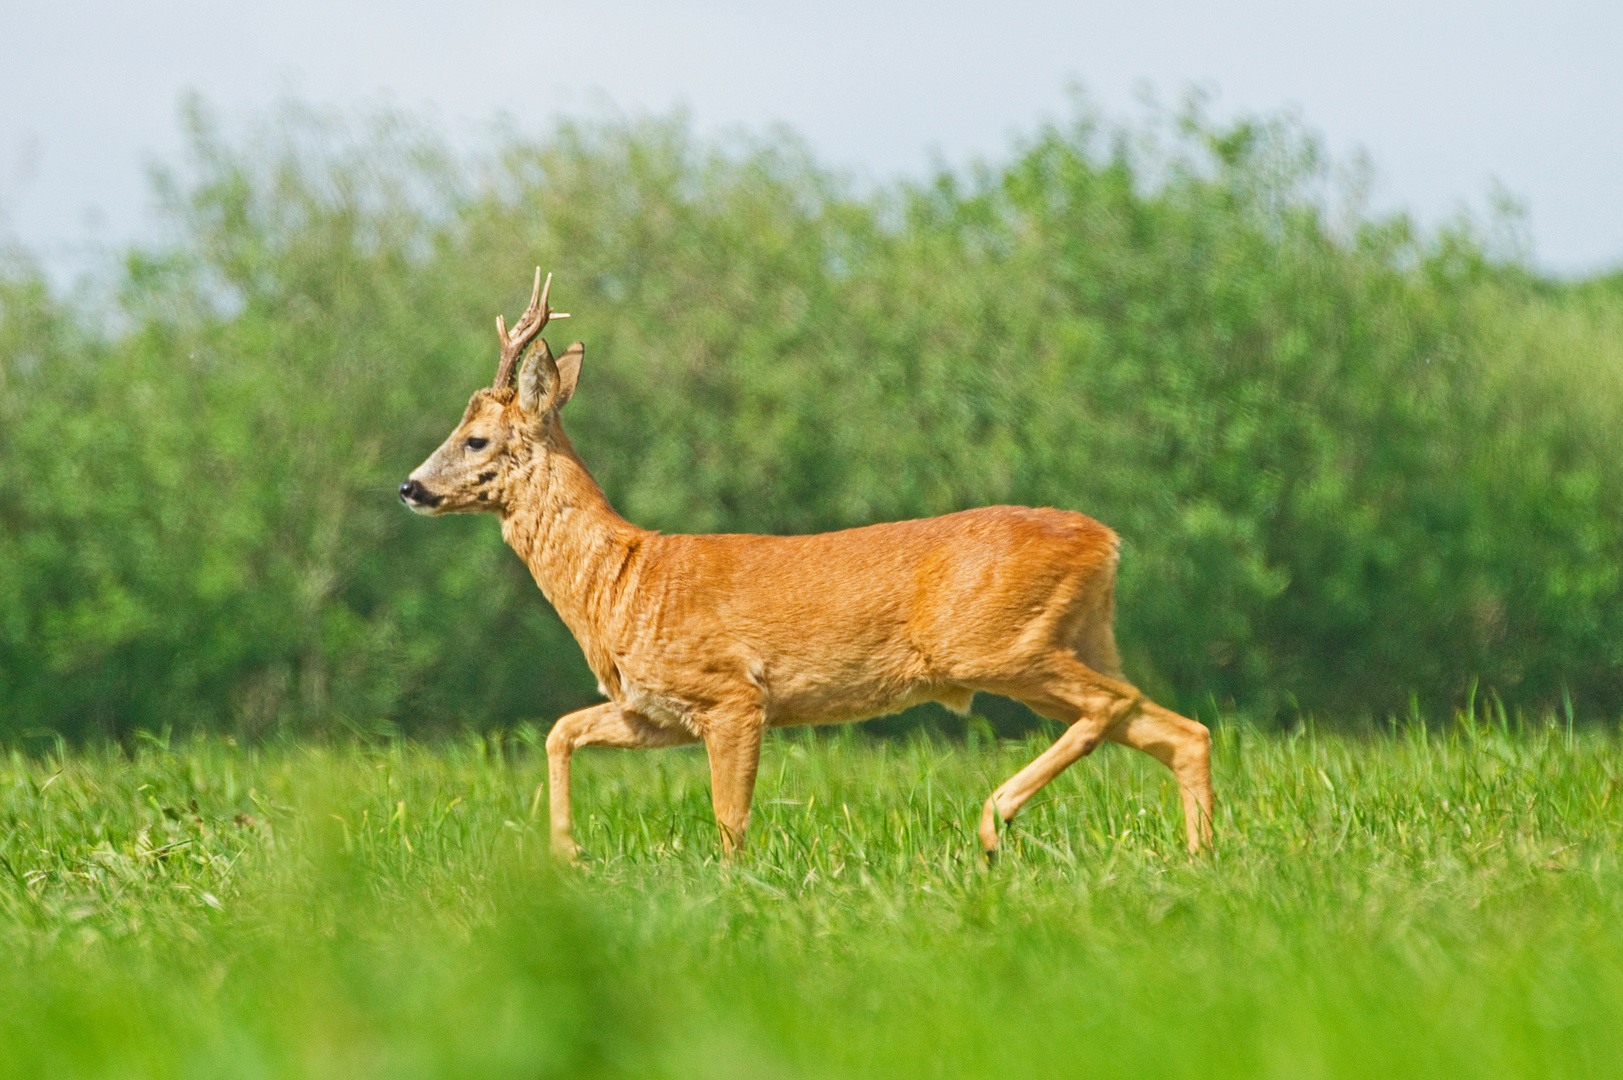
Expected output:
{"points": [[1355, 467]]}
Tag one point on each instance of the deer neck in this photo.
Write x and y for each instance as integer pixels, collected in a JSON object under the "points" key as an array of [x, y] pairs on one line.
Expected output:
{"points": [[581, 553]]}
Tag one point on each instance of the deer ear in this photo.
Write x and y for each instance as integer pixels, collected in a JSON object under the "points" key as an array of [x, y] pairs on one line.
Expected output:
{"points": [[569, 373], [538, 379]]}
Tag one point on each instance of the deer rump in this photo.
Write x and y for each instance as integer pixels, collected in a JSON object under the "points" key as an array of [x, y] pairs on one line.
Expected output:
{"points": [[842, 626]]}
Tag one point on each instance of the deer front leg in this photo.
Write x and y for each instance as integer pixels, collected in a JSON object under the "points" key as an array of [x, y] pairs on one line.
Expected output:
{"points": [[601, 725], [733, 739]]}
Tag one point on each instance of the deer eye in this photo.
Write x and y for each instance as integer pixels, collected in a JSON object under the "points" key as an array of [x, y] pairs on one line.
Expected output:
{"points": [[476, 443]]}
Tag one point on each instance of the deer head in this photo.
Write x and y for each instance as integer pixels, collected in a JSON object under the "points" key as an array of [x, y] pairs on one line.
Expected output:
{"points": [[502, 431]]}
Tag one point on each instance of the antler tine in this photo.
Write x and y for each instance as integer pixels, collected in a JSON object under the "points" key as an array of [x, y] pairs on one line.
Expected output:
{"points": [[526, 330]]}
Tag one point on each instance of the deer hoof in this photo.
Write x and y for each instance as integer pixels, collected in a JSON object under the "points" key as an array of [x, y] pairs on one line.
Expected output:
{"points": [[989, 823]]}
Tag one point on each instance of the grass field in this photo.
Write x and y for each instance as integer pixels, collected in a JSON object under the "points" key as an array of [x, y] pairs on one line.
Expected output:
{"points": [[1402, 905]]}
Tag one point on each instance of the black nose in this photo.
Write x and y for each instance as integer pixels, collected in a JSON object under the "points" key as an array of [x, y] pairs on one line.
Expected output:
{"points": [[413, 492]]}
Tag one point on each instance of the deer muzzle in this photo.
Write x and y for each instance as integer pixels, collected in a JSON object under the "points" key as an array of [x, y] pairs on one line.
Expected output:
{"points": [[419, 498]]}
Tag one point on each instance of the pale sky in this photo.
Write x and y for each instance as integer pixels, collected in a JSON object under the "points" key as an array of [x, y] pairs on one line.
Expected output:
{"points": [[1446, 96]]}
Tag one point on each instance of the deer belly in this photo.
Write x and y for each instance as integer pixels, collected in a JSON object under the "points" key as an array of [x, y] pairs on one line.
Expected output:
{"points": [[847, 703]]}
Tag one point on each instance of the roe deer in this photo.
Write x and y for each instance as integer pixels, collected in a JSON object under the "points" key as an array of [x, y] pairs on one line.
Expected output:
{"points": [[717, 638]]}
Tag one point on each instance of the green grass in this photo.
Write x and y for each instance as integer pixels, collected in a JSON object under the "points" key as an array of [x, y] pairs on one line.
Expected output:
{"points": [[1388, 906]]}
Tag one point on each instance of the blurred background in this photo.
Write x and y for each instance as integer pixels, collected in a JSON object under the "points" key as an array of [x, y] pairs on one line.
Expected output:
{"points": [[1320, 309]]}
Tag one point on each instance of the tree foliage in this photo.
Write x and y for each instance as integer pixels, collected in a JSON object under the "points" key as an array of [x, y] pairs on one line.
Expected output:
{"points": [[1355, 466]]}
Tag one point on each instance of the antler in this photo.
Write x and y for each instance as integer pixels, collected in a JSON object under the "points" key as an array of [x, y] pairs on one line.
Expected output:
{"points": [[526, 330]]}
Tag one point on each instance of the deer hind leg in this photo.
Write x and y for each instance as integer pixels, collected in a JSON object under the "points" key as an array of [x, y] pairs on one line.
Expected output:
{"points": [[1095, 645], [733, 739], [1069, 691], [1099, 707], [600, 725], [1184, 746], [1181, 744]]}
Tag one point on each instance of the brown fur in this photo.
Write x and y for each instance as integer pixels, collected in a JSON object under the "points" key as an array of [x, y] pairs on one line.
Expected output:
{"points": [[716, 638]]}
